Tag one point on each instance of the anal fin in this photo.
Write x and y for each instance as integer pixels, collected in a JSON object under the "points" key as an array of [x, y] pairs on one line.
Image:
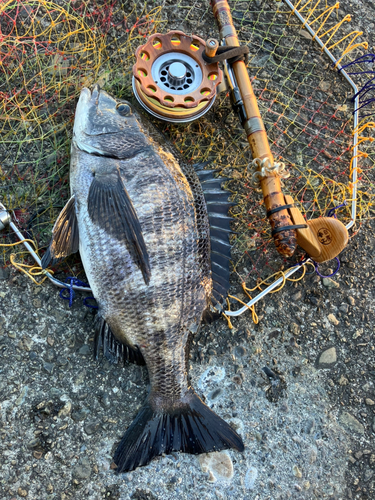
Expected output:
{"points": [[114, 350]]}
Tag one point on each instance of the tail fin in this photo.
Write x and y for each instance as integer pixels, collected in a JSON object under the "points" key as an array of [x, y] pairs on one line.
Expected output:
{"points": [[190, 427]]}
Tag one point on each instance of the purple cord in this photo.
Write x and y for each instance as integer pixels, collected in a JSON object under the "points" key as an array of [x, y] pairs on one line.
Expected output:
{"points": [[89, 305], [72, 281], [332, 211], [358, 61], [316, 265], [366, 58]]}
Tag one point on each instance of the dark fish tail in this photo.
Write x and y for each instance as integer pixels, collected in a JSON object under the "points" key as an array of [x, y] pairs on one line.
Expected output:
{"points": [[189, 426]]}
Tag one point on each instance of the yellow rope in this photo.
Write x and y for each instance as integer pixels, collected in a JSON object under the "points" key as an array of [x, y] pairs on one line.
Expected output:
{"points": [[359, 130], [259, 287], [29, 271], [323, 18], [328, 12], [360, 154], [18, 243], [230, 326], [251, 308]]}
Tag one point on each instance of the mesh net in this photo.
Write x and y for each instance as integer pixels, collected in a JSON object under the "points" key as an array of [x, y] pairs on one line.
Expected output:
{"points": [[48, 51]]}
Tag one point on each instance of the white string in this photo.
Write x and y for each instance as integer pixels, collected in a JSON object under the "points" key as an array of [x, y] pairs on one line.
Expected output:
{"points": [[264, 168]]}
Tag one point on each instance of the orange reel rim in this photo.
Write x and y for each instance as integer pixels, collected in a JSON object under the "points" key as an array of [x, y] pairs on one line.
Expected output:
{"points": [[170, 78]]}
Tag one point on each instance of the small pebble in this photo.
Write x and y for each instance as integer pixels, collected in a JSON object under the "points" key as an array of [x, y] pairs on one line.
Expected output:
{"points": [[91, 427], [37, 303], [217, 464], [84, 350], [313, 454], [369, 402], [82, 470], [294, 328], [350, 300], [251, 477], [239, 351], [310, 426], [65, 410], [344, 308], [343, 380], [332, 319], [350, 422], [296, 471], [305, 34], [297, 296], [328, 357], [48, 367], [329, 283]]}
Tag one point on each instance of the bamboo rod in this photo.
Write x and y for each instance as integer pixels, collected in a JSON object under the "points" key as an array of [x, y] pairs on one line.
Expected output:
{"points": [[285, 241]]}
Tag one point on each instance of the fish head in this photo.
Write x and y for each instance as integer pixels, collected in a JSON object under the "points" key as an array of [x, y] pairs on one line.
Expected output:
{"points": [[106, 126]]}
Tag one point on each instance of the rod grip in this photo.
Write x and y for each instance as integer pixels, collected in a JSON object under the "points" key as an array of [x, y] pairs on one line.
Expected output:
{"points": [[285, 241]]}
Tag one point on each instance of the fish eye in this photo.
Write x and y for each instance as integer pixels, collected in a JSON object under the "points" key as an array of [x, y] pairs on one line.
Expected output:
{"points": [[123, 109]]}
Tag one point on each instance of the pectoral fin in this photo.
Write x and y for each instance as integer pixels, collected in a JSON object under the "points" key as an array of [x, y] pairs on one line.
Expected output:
{"points": [[65, 237], [111, 208]]}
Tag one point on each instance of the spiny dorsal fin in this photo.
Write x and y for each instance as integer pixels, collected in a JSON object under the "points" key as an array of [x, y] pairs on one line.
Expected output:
{"points": [[217, 207]]}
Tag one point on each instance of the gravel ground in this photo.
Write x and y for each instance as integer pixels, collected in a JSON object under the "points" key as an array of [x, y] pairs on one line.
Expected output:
{"points": [[298, 387]]}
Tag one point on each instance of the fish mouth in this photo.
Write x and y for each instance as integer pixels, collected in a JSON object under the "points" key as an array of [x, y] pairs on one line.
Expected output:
{"points": [[88, 95]]}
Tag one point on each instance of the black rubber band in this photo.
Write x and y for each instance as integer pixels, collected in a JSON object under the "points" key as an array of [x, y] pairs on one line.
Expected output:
{"points": [[278, 209], [231, 54], [287, 228]]}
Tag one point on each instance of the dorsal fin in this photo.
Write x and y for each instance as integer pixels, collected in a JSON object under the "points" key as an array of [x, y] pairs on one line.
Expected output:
{"points": [[217, 207]]}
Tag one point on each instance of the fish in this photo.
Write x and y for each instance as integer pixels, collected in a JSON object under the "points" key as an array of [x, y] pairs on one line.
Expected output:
{"points": [[153, 237]]}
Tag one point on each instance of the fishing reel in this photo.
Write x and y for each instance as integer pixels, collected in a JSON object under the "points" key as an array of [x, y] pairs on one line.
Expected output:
{"points": [[171, 80]]}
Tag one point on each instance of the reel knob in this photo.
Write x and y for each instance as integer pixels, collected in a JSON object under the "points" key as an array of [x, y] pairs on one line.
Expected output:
{"points": [[170, 78]]}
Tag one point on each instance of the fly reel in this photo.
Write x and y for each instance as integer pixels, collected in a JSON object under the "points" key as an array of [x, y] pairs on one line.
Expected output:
{"points": [[171, 80]]}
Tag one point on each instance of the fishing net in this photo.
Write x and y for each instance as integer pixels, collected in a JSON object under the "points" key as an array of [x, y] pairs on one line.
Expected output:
{"points": [[48, 51]]}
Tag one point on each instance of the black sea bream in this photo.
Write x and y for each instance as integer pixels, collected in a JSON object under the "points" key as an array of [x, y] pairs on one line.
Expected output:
{"points": [[153, 239]]}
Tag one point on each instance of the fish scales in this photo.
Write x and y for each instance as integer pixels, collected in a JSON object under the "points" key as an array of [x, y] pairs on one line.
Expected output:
{"points": [[176, 288], [144, 243]]}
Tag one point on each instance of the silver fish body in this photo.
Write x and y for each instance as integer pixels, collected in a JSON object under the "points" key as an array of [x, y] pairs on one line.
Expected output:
{"points": [[143, 233]]}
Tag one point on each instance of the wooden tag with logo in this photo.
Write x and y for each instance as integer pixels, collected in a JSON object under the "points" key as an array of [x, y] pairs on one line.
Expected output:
{"points": [[332, 236], [323, 239]]}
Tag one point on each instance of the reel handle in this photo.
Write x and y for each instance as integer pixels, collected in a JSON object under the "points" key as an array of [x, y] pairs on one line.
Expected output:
{"points": [[211, 47], [285, 240]]}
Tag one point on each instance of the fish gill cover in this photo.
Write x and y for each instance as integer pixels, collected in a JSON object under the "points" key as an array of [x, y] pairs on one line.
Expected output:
{"points": [[49, 50]]}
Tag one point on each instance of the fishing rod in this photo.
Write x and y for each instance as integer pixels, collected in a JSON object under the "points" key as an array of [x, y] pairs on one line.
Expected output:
{"points": [[324, 238]]}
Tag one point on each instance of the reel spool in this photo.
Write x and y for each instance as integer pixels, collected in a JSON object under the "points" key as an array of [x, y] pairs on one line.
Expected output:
{"points": [[171, 80]]}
